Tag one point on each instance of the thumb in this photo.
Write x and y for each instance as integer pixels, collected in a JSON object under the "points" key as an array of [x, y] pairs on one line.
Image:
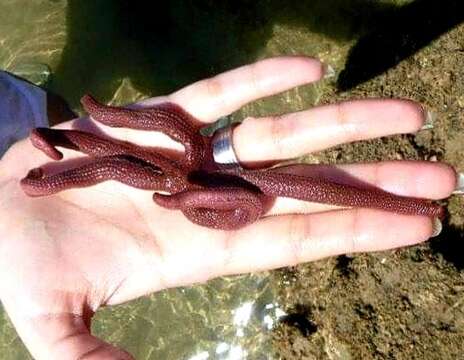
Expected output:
{"points": [[64, 336]]}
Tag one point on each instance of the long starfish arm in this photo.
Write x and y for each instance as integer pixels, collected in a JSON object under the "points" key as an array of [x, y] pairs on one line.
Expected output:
{"points": [[220, 208], [319, 190], [167, 118], [122, 168]]}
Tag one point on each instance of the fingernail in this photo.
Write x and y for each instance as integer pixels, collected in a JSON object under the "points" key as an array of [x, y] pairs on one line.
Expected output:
{"points": [[459, 190], [436, 227], [329, 71], [429, 121]]}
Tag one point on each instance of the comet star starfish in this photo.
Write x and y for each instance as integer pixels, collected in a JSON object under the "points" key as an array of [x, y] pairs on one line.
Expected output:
{"points": [[219, 199]]}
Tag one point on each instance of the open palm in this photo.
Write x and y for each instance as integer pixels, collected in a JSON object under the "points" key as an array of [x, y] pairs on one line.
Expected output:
{"points": [[64, 256]]}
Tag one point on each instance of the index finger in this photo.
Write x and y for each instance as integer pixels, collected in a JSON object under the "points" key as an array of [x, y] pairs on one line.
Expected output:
{"points": [[225, 93], [209, 99]]}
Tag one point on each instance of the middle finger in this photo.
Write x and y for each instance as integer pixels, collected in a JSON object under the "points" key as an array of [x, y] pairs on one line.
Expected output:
{"points": [[292, 135]]}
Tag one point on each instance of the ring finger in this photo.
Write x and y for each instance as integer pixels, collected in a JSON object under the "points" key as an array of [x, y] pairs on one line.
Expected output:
{"points": [[405, 178]]}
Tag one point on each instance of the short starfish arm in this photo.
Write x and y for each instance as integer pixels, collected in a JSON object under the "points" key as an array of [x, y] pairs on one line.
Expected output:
{"points": [[167, 118], [319, 190], [220, 208], [47, 140], [125, 169]]}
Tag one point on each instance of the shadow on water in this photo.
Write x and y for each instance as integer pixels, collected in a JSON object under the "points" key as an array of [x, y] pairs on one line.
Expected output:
{"points": [[301, 318], [450, 245], [397, 35], [162, 46]]}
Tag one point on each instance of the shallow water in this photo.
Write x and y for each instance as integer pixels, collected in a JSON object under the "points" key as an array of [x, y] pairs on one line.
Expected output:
{"points": [[120, 54]]}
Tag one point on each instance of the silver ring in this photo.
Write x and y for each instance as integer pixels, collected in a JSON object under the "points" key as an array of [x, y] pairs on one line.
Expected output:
{"points": [[223, 148]]}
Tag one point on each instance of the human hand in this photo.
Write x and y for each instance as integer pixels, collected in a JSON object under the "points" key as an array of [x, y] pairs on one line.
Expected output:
{"points": [[64, 256]]}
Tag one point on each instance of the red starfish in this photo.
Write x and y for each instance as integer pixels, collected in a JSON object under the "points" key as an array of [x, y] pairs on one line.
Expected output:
{"points": [[218, 199]]}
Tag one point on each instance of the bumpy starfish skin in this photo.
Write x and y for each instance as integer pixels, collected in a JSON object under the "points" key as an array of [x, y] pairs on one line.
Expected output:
{"points": [[226, 208], [171, 176], [225, 200], [167, 118], [275, 183]]}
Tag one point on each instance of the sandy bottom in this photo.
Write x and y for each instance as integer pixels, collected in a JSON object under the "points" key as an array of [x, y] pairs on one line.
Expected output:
{"points": [[402, 304]]}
